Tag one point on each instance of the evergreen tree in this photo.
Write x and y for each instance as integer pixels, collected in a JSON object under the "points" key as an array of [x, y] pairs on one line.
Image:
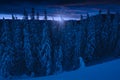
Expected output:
{"points": [[59, 59], [99, 24], [88, 16], [37, 17], [90, 39], [100, 11], [76, 50], [81, 17], [45, 15], [45, 50], [84, 37], [25, 15], [33, 14], [35, 32], [27, 49], [7, 58], [108, 11], [19, 66], [13, 18], [70, 56], [115, 33], [106, 33]]}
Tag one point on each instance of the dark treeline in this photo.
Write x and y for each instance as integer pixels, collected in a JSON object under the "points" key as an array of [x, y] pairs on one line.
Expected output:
{"points": [[40, 48], [33, 15]]}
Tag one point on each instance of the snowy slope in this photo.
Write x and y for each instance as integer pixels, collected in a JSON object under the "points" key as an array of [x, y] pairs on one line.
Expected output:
{"points": [[105, 71]]}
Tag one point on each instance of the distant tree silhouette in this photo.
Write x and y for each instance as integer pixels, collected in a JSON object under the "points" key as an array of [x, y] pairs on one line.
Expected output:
{"points": [[33, 14], [13, 18], [100, 11], [108, 11], [88, 16], [16, 18], [25, 15], [37, 16], [45, 15], [81, 17], [3, 18]]}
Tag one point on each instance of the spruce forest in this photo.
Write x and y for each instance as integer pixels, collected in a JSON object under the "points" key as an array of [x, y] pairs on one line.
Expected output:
{"points": [[45, 47]]}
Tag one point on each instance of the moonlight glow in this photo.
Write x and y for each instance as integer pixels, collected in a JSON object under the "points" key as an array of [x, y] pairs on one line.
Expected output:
{"points": [[56, 18]]}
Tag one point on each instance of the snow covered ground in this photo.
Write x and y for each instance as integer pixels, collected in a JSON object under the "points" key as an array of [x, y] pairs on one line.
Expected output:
{"points": [[106, 71]]}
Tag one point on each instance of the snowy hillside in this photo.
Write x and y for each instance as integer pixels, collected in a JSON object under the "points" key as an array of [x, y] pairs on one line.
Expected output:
{"points": [[105, 71]]}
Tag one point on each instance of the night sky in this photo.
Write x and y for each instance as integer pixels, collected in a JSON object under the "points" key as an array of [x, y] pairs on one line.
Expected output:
{"points": [[66, 8]]}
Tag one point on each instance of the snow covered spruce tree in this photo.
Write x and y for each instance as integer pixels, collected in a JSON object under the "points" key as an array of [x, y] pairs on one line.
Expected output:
{"points": [[19, 67], [84, 37], [99, 24], [1, 45], [115, 40], [106, 35], [35, 30], [76, 49], [107, 30], [78, 33], [7, 57], [58, 60], [44, 50], [27, 50], [90, 47], [118, 43], [70, 58]]}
